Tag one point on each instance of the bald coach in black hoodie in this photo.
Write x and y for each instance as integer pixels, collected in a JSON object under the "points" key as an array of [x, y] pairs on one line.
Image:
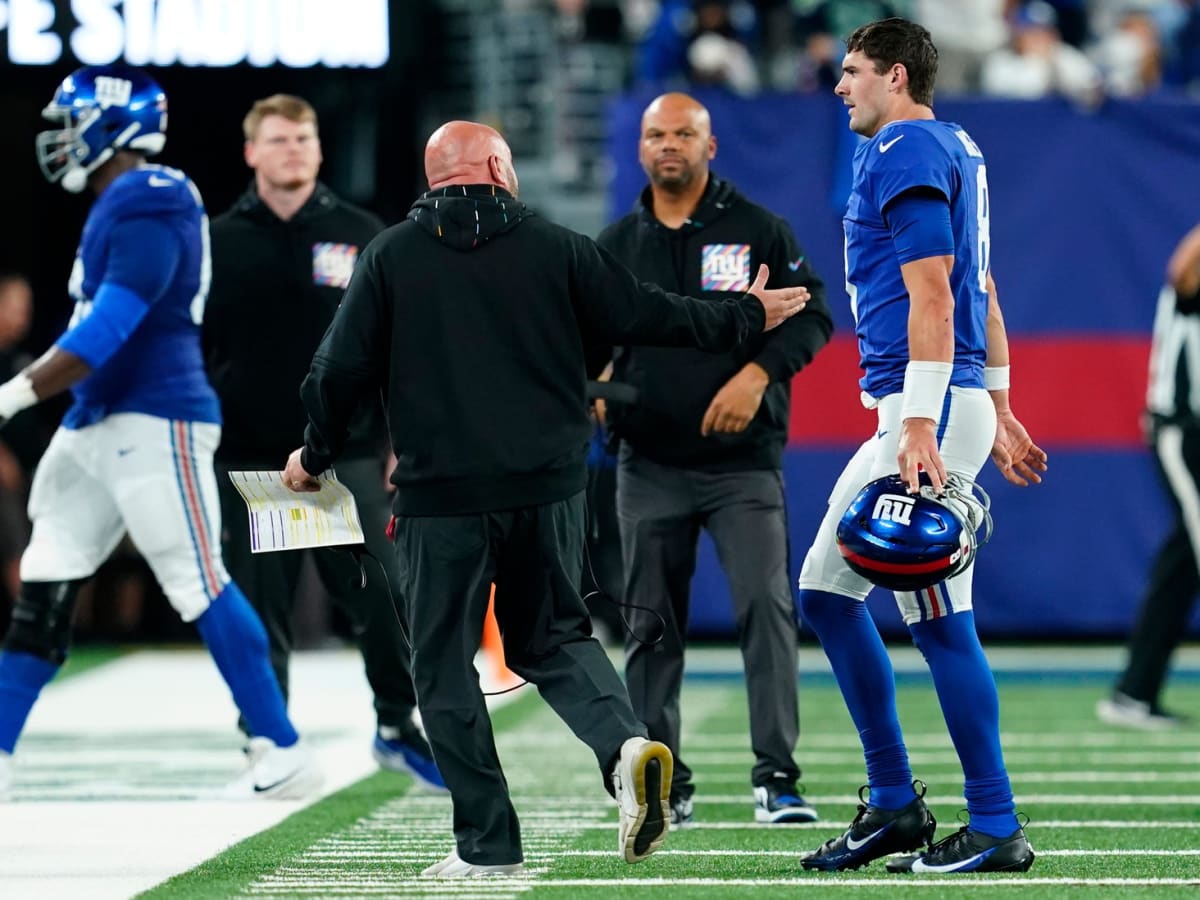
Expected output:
{"points": [[473, 316]]}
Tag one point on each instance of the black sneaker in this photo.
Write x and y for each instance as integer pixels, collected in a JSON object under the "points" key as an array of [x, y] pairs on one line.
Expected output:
{"points": [[970, 851], [779, 802], [874, 833], [681, 812]]}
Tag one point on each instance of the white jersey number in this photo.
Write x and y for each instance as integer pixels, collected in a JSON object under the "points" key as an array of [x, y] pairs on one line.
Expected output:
{"points": [[984, 225]]}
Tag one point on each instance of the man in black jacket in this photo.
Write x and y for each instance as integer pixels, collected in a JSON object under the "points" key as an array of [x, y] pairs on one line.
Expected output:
{"points": [[473, 317], [702, 448], [284, 252]]}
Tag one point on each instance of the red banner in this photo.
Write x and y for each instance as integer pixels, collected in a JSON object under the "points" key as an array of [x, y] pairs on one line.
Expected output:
{"points": [[1076, 391]]}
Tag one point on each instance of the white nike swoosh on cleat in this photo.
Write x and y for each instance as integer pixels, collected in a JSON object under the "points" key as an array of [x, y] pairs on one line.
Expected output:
{"points": [[919, 865], [852, 844]]}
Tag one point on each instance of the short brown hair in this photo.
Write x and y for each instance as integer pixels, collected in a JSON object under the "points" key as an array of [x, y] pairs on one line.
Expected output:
{"points": [[891, 41], [293, 108]]}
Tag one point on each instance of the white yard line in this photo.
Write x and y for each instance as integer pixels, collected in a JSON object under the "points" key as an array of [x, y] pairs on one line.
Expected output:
{"points": [[508, 887], [1026, 740], [415, 831], [1016, 759], [1188, 800], [796, 853], [1103, 824]]}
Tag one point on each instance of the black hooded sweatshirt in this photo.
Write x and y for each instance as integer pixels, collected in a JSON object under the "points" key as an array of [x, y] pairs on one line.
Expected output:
{"points": [[715, 251], [275, 287], [473, 317]]}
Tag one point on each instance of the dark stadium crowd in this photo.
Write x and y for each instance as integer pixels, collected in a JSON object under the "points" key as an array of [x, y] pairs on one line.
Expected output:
{"points": [[1082, 49]]}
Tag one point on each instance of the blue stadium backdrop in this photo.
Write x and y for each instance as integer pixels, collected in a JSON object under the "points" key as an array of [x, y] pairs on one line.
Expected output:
{"points": [[1087, 207]]}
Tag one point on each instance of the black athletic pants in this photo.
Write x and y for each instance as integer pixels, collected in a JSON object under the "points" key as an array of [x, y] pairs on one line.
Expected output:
{"points": [[1174, 578], [533, 555]]}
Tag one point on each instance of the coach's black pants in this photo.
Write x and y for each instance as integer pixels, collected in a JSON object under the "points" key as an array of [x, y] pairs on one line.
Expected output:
{"points": [[534, 557], [1174, 578], [661, 511], [270, 580]]}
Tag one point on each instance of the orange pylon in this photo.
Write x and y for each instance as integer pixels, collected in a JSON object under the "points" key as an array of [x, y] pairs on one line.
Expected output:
{"points": [[498, 673]]}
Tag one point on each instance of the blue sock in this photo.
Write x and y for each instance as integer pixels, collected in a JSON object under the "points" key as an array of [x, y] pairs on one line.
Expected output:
{"points": [[864, 673], [22, 677], [971, 707], [238, 643]]}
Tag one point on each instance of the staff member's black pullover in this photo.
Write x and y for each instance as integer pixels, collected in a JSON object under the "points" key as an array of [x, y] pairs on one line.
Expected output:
{"points": [[275, 288], [473, 315], [720, 246]]}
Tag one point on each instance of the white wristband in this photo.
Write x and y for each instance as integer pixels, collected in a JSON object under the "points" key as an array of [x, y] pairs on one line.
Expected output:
{"points": [[925, 386], [16, 394], [995, 378]]}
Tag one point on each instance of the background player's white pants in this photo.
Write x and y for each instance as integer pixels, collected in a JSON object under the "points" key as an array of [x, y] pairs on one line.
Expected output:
{"points": [[147, 476], [966, 443]]}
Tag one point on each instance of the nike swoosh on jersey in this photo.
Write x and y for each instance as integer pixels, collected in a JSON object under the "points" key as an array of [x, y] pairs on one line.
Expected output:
{"points": [[885, 147], [852, 844], [795, 266], [155, 181]]}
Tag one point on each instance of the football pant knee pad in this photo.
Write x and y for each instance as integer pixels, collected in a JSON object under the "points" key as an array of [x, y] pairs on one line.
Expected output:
{"points": [[41, 620]]}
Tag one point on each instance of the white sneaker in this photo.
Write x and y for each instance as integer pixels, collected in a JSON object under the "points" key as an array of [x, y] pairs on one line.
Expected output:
{"points": [[276, 773], [1126, 712], [6, 775], [641, 780], [453, 867]]}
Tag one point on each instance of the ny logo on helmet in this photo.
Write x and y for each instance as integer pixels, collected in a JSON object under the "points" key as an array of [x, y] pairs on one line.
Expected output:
{"points": [[894, 508], [113, 91]]}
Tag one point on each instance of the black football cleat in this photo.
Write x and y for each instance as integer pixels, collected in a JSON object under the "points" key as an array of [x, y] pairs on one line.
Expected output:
{"points": [[969, 851], [874, 833]]}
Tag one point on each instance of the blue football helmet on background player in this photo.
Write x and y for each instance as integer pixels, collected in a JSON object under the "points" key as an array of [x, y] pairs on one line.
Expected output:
{"points": [[100, 110], [908, 542]]}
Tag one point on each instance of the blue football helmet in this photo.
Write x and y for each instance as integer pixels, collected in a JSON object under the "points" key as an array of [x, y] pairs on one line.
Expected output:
{"points": [[908, 542], [100, 110]]}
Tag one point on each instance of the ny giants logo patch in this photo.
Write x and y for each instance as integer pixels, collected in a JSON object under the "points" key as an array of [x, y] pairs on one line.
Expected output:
{"points": [[725, 267], [333, 263]]}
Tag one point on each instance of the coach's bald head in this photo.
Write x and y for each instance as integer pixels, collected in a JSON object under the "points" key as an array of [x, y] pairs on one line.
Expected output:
{"points": [[469, 153]]}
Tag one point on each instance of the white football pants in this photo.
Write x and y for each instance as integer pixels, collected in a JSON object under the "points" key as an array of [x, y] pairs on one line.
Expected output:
{"points": [[968, 428], [147, 476]]}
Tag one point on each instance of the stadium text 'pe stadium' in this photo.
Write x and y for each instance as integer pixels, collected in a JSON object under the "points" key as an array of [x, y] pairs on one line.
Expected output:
{"points": [[293, 33]]}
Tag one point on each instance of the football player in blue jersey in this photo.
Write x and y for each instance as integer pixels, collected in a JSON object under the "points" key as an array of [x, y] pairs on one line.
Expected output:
{"points": [[134, 453], [935, 360]]}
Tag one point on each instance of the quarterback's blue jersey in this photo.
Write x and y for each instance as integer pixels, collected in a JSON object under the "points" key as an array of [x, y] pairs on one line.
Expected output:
{"points": [[159, 368], [902, 156]]}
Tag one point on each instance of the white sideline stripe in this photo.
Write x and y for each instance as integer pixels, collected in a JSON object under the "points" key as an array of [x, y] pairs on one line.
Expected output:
{"points": [[55, 847]]}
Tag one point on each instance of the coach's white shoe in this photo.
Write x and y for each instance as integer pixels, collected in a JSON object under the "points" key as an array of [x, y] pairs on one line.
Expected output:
{"points": [[641, 781], [454, 867], [276, 773], [6, 775]]}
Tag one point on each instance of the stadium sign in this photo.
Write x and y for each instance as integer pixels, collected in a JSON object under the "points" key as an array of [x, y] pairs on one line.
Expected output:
{"points": [[293, 33]]}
